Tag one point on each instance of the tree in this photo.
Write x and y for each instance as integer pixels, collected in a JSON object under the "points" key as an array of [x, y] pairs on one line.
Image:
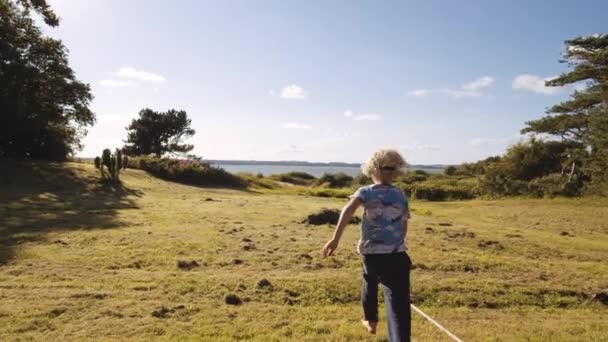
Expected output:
{"points": [[45, 109], [584, 118], [159, 133]]}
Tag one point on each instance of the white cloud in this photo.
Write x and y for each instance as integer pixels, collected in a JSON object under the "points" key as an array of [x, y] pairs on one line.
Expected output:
{"points": [[420, 147], [116, 83], [296, 125], [139, 75], [457, 94], [293, 92], [535, 84], [480, 83], [471, 89], [290, 149], [367, 117], [418, 92], [481, 141], [362, 116], [477, 142]]}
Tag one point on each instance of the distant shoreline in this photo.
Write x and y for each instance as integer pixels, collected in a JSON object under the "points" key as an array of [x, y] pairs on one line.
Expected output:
{"points": [[305, 163]]}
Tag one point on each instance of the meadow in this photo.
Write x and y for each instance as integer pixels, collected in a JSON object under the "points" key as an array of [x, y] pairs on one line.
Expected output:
{"points": [[82, 259]]}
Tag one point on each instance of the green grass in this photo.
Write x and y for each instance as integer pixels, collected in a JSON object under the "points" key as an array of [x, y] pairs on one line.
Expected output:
{"points": [[81, 260]]}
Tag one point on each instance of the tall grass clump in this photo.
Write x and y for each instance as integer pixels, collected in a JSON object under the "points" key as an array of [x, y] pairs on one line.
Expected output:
{"points": [[295, 177], [336, 180]]}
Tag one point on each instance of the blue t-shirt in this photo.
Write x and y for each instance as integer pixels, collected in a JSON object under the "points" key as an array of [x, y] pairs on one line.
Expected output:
{"points": [[385, 210]]}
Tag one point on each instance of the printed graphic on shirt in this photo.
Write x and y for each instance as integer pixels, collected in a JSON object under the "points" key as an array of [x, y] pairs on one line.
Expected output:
{"points": [[385, 209]]}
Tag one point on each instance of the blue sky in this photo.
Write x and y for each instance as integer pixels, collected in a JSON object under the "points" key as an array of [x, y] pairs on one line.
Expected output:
{"points": [[441, 81]]}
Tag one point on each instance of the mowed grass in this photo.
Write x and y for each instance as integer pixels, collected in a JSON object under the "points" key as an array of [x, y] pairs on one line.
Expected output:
{"points": [[81, 260]]}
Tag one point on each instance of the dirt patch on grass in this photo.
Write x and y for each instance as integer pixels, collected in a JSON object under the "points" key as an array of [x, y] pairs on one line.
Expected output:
{"points": [[601, 297], [57, 312], [90, 295], [490, 244], [187, 265], [327, 216], [264, 284], [232, 299]]}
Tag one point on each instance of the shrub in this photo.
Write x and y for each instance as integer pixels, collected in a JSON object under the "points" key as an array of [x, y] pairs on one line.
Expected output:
{"points": [[362, 179], [553, 185], [439, 192], [450, 170], [414, 176], [257, 181], [187, 171], [338, 180], [298, 178]]}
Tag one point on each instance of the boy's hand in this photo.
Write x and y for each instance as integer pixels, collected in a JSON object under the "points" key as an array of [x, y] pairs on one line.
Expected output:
{"points": [[330, 247]]}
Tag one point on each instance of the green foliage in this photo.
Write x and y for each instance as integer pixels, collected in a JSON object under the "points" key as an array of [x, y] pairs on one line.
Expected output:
{"points": [[441, 189], [298, 178], [159, 133], [97, 163], [45, 109], [187, 172], [257, 181], [337, 180], [450, 170], [584, 118], [411, 177], [361, 180], [476, 168], [523, 169]]}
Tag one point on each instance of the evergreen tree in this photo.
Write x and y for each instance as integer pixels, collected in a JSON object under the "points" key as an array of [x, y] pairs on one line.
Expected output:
{"points": [[584, 118]]}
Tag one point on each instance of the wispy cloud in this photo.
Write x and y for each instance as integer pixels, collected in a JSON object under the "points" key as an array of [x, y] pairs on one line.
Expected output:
{"points": [[471, 89], [116, 83], [534, 84], [362, 116], [296, 125], [289, 150], [478, 84], [130, 77], [418, 92], [140, 75], [293, 92], [420, 147], [478, 142]]}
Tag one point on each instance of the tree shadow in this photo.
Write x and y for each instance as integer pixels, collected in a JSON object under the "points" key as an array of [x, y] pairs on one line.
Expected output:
{"points": [[40, 197]]}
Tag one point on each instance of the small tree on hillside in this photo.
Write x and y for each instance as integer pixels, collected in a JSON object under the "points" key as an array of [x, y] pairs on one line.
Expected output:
{"points": [[159, 133]]}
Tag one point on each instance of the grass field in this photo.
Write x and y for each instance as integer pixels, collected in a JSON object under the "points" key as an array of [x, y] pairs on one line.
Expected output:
{"points": [[80, 259]]}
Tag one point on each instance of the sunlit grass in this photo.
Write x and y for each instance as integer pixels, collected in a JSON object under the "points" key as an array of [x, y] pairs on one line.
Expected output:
{"points": [[84, 261]]}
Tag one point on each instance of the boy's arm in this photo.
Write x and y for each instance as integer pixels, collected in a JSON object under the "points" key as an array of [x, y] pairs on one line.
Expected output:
{"points": [[345, 216]]}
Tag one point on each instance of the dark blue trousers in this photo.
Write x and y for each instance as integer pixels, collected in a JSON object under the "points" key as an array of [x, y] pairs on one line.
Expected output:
{"points": [[393, 272]]}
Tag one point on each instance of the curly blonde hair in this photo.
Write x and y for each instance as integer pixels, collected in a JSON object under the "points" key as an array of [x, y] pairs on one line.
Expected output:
{"points": [[384, 165]]}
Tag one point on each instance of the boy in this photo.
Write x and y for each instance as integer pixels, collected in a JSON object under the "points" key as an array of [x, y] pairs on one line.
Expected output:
{"points": [[382, 244]]}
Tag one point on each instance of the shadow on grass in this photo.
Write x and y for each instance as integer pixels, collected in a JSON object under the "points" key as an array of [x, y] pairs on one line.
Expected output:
{"points": [[40, 197]]}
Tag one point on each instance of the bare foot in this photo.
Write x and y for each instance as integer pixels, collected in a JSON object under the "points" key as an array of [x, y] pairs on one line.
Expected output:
{"points": [[370, 326]]}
